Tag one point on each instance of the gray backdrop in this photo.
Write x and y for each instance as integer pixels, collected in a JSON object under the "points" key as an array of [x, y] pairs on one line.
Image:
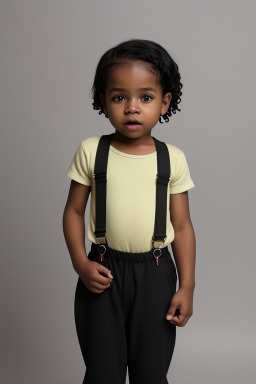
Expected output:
{"points": [[49, 52]]}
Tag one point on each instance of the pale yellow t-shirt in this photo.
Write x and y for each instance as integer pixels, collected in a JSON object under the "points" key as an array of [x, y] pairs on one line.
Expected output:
{"points": [[131, 193]]}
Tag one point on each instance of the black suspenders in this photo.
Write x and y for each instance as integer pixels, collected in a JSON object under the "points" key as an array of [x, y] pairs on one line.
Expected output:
{"points": [[162, 180]]}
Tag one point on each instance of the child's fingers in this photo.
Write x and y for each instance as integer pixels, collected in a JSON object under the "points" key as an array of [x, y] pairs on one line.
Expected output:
{"points": [[171, 312], [105, 270], [102, 279], [179, 321]]}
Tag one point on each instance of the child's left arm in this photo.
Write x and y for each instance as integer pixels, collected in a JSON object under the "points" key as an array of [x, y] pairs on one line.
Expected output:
{"points": [[184, 252]]}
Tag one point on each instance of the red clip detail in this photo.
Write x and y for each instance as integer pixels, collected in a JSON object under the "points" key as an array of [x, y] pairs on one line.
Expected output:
{"points": [[157, 260], [101, 254]]}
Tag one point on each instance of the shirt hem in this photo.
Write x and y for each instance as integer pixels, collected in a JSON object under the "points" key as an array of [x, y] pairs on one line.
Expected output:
{"points": [[77, 178], [184, 189]]}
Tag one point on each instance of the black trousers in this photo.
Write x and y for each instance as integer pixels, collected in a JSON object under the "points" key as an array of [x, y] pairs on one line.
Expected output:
{"points": [[125, 325]]}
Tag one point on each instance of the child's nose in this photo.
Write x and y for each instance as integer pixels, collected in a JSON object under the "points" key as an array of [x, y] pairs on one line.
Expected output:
{"points": [[132, 106]]}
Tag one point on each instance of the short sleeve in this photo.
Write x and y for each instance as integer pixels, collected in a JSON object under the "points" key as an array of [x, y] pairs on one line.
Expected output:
{"points": [[79, 167], [181, 180]]}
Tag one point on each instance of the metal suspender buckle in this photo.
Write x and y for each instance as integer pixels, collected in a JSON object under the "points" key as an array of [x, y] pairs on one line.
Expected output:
{"points": [[102, 241], [157, 243], [157, 252]]}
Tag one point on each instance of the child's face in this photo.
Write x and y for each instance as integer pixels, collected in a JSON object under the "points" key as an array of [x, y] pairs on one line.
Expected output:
{"points": [[133, 103]]}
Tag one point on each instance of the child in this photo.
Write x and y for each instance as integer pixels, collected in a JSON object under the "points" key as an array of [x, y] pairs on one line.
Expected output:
{"points": [[126, 304]]}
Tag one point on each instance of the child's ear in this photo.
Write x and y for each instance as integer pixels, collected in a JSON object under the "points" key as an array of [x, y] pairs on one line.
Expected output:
{"points": [[103, 102], [166, 103]]}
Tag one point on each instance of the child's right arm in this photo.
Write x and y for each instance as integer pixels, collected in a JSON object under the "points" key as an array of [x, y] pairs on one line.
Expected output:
{"points": [[73, 223], [74, 233]]}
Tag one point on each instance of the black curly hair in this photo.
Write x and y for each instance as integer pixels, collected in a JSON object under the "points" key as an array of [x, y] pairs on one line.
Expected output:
{"points": [[144, 50]]}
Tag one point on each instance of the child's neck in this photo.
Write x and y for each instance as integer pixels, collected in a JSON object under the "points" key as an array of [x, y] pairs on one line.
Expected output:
{"points": [[143, 145]]}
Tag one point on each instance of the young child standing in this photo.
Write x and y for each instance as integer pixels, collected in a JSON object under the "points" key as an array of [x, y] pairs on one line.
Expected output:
{"points": [[126, 303]]}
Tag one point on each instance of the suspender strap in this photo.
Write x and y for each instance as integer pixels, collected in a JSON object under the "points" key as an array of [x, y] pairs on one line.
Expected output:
{"points": [[100, 176], [162, 180]]}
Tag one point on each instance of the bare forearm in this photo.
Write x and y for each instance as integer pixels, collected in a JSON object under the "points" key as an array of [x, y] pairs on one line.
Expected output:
{"points": [[184, 251], [74, 233]]}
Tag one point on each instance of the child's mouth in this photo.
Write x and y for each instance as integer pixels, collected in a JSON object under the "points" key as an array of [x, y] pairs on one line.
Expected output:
{"points": [[132, 125]]}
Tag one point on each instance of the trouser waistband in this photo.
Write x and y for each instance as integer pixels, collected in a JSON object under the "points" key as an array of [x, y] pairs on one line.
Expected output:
{"points": [[128, 256]]}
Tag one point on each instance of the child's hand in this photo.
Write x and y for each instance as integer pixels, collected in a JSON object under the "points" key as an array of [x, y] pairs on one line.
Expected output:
{"points": [[182, 300], [92, 277]]}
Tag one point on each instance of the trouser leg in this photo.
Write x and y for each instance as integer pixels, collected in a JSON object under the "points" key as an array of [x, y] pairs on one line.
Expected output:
{"points": [[101, 331], [150, 337]]}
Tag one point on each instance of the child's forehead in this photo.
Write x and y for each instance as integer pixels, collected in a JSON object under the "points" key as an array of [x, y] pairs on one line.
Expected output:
{"points": [[127, 70]]}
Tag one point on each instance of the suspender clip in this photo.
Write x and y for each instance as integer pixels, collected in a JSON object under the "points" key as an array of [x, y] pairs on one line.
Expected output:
{"points": [[157, 252], [102, 241], [158, 242]]}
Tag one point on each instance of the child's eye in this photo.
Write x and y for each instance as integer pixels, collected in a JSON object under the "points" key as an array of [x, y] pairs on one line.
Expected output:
{"points": [[115, 98], [119, 98], [147, 96]]}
